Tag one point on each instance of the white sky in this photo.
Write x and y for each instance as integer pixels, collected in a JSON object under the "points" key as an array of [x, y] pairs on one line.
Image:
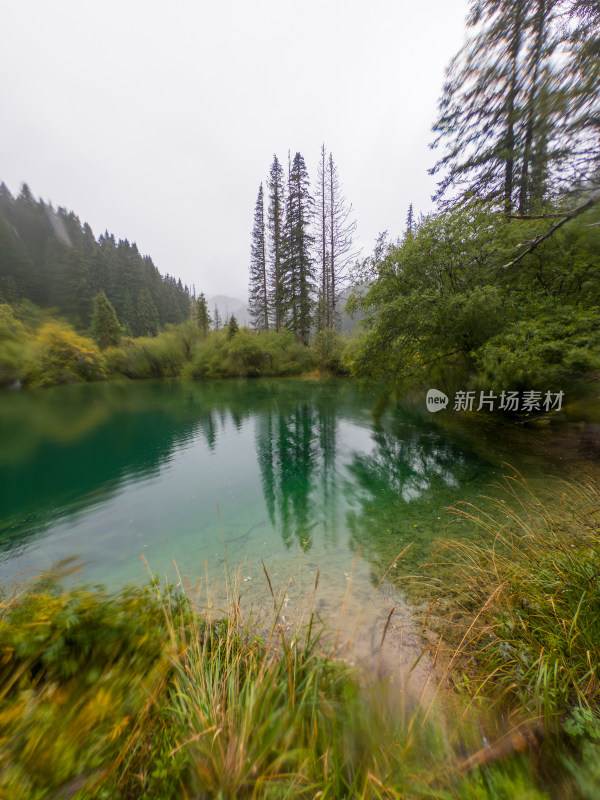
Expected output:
{"points": [[157, 121]]}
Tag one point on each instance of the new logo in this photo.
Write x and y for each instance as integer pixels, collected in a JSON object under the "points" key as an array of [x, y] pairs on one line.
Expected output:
{"points": [[436, 400]]}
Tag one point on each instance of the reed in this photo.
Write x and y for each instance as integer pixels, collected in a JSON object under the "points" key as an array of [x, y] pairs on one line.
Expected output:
{"points": [[531, 586]]}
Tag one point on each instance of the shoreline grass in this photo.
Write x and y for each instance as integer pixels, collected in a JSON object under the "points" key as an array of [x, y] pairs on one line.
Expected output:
{"points": [[522, 615], [137, 695], [133, 695], [535, 573]]}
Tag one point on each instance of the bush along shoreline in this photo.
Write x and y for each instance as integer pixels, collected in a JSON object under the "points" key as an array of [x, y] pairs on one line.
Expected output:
{"points": [[37, 349]]}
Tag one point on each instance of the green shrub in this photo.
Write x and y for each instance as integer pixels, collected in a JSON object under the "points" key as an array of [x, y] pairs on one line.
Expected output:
{"points": [[246, 354], [208, 358], [329, 348], [11, 328], [60, 355], [161, 356], [543, 352], [116, 359], [82, 676], [249, 354]]}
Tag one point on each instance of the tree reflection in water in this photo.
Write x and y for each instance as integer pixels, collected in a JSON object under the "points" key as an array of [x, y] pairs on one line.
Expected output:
{"points": [[399, 490]]}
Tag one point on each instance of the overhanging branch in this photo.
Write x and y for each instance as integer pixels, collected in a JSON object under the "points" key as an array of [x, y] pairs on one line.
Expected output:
{"points": [[595, 198]]}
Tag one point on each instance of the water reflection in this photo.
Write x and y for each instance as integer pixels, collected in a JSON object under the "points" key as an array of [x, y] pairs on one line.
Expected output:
{"points": [[109, 471], [71, 448], [406, 463], [400, 488], [288, 455]]}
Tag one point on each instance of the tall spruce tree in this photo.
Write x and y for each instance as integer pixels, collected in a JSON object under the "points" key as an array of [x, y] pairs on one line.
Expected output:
{"points": [[202, 316], [232, 327], [531, 180], [146, 318], [581, 81], [298, 272], [410, 221], [105, 326], [492, 119], [275, 229], [258, 304]]}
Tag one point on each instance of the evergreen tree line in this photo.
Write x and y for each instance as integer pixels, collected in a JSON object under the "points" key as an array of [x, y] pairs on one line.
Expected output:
{"points": [[301, 247], [48, 257]]}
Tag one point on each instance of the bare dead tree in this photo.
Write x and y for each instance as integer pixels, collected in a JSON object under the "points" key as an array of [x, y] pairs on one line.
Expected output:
{"points": [[322, 242], [341, 229]]}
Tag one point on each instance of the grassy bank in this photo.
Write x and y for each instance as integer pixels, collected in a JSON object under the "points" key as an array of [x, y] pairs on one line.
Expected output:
{"points": [[534, 575], [522, 615], [135, 695]]}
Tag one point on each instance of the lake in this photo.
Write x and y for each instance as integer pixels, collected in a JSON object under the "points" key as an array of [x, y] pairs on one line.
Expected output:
{"points": [[206, 475]]}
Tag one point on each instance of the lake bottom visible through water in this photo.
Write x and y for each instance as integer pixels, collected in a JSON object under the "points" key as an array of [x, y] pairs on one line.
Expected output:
{"points": [[205, 480]]}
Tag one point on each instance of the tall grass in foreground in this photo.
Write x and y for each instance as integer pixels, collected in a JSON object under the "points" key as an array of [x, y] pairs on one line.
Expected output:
{"points": [[137, 696], [278, 717], [535, 572]]}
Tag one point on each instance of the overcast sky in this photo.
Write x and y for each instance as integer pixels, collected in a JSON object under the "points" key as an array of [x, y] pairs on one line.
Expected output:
{"points": [[157, 121]]}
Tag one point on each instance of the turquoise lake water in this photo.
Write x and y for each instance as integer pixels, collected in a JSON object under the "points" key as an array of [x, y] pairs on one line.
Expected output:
{"points": [[295, 472]]}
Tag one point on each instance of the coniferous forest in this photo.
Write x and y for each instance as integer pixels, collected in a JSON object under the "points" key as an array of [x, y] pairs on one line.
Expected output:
{"points": [[302, 247], [47, 256]]}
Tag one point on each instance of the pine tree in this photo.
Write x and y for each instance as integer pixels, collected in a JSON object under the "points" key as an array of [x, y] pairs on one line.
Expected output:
{"points": [[275, 229], [298, 268], [581, 82], [105, 327], [531, 183], [232, 327], [257, 290], [491, 117], [145, 322], [410, 221], [5, 193], [217, 319], [202, 316]]}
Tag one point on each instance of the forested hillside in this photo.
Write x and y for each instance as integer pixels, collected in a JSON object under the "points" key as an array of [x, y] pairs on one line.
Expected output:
{"points": [[49, 257]]}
